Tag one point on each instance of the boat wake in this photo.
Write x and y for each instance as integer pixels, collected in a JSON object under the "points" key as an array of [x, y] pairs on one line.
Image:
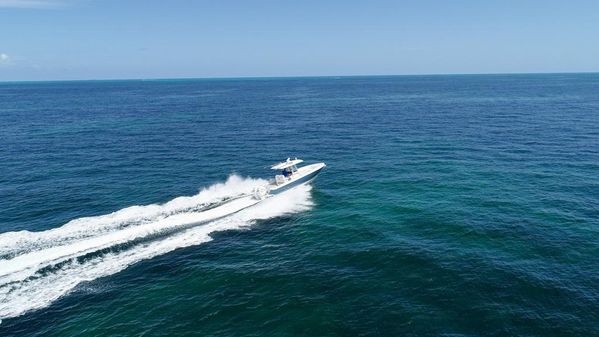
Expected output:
{"points": [[36, 268]]}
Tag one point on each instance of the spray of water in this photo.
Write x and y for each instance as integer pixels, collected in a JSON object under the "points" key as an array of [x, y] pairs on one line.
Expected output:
{"points": [[36, 268]]}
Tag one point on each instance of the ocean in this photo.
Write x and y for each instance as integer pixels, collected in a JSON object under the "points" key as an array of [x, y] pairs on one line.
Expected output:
{"points": [[463, 205]]}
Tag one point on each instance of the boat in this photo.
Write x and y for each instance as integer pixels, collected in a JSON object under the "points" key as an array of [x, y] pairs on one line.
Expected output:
{"points": [[290, 177]]}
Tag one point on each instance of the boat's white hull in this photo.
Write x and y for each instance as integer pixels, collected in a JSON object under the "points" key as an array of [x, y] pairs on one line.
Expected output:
{"points": [[302, 176]]}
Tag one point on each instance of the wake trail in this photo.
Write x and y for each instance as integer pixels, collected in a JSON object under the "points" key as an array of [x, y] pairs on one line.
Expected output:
{"points": [[36, 268]]}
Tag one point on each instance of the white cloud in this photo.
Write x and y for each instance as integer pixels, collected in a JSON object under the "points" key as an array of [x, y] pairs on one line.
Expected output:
{"points": [[35, 4], [4, 58]]}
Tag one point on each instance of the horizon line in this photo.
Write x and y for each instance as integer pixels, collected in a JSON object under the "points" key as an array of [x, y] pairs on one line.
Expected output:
{"points": [[249, 77]]}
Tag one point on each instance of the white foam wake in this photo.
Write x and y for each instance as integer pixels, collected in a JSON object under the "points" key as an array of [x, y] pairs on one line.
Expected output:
{"points": [[36, 268]]}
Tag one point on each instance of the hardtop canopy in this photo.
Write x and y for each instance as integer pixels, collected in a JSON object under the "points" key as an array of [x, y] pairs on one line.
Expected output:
{"points": [[288, 163]]}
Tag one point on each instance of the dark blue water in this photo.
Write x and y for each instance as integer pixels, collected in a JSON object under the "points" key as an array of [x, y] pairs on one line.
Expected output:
{"points": [[450, 205]]}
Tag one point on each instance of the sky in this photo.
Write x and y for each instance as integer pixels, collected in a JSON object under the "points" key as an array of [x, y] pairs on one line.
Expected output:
{"points": [[106, 39]]}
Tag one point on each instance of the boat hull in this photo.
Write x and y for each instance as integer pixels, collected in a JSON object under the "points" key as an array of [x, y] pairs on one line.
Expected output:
{"points": [[302, 180]]}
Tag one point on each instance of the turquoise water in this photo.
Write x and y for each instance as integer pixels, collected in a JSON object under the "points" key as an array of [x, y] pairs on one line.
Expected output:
{"points": [[450, 205]]}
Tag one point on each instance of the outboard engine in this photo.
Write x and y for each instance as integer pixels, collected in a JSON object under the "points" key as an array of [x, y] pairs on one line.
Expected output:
{"points": [[260, 192]]}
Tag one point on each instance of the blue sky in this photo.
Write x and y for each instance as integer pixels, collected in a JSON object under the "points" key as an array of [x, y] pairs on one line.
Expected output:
{"points": [[99, 39]]}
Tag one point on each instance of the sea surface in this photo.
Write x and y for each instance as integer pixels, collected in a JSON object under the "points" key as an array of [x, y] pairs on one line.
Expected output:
{"points": [[450, 206]]}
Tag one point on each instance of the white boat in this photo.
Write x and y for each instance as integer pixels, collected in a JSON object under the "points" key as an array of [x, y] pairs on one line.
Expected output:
{"points": [[290, 176]]}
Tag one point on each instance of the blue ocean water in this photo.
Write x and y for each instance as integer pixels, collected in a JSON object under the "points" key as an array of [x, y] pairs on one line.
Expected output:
{"points": [[450, 205]]}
